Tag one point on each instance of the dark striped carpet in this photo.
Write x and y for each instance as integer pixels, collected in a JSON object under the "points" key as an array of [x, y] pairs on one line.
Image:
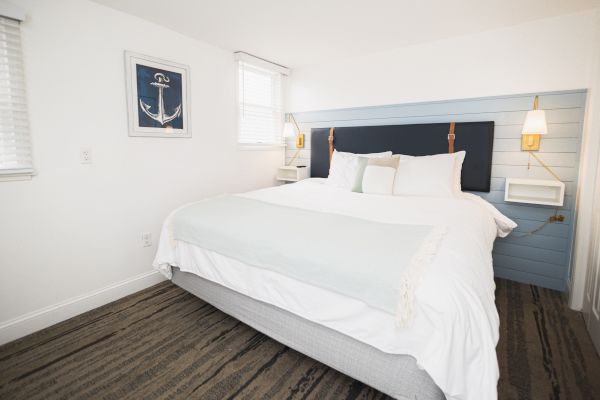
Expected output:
{"points": [[165, 343]]}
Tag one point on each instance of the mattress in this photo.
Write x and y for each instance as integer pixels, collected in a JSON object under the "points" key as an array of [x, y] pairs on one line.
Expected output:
{"points": [[395, 375], [455, 326]]}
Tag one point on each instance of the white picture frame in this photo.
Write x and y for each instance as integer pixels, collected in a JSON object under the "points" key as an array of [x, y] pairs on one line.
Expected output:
{"points": [[158, 97]]}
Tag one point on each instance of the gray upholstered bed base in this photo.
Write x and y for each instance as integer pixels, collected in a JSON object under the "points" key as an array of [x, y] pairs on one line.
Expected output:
{"points": [[395, 375]]}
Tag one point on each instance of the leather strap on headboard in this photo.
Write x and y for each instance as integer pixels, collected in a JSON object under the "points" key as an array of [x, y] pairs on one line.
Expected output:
{"points": [[451, 137], [330, 144]]}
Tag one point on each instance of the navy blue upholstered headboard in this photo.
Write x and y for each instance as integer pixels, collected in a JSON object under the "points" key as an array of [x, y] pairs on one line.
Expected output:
{"points": [[476, 138]]}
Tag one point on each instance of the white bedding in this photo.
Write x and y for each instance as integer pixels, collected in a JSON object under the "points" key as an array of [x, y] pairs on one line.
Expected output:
{"points": [[455, 326]]}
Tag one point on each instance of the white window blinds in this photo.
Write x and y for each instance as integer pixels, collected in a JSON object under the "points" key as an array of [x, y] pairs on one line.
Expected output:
{"points": [[260, 101], [15, 146]]}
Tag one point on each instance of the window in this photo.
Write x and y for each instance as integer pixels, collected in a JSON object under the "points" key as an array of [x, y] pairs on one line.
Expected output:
{"points": [[260, 101], [15, 146]]}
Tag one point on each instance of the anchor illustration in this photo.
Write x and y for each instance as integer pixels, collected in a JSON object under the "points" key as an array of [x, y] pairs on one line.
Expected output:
{"points": [[160, 116]]}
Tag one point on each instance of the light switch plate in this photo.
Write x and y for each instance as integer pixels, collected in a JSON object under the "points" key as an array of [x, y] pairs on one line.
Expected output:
{"points": [[146, 239]]}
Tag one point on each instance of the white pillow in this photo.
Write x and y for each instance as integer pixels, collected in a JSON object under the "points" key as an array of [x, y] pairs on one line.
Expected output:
{"points": [[458, 164], [437, 175], [378, 175], [344, 167]]}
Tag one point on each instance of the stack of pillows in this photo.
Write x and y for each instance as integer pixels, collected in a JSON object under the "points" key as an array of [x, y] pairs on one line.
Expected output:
{"points": [[387, 174]]}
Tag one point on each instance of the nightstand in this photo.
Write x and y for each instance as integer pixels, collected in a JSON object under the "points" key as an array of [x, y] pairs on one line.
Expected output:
{"points": [[292, 173]]}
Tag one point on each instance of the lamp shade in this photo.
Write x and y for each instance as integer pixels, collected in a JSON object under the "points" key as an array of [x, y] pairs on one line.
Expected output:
{"points": [[288, 130], [535, 123]]}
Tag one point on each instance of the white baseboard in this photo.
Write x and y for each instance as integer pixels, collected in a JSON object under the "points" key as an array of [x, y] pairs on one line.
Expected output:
{"points": [[47, 316]]}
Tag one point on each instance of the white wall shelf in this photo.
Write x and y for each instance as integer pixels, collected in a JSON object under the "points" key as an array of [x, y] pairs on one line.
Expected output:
{"points": [[535, 191], [292, 173]]}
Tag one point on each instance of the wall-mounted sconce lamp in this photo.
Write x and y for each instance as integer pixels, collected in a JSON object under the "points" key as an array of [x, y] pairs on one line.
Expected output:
{"points": [[288, 130], [533, 128], [536, 191], [291, 129]]}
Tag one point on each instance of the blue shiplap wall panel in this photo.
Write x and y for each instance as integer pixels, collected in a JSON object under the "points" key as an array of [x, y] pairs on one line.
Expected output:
{"points": [[544, 258]]}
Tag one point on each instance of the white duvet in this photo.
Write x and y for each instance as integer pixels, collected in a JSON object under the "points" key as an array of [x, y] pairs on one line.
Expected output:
{"points": [[454, 330]]}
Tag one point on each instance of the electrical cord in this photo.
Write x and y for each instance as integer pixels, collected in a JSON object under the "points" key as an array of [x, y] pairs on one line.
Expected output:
{"points": [[539, 228]]}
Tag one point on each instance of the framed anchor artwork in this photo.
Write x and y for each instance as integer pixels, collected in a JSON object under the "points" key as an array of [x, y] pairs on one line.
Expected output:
{"points": [[158, 97]]}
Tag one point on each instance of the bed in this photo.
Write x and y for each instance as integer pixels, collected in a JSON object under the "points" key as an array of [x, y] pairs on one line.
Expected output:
{"points": [[445, 348]]}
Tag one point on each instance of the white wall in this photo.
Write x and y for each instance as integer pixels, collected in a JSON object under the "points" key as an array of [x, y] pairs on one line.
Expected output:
{"points": [[74, 230], [546, 55]]}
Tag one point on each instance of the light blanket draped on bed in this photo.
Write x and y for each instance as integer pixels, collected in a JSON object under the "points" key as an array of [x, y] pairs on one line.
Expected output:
{"points": [[377, 263]]}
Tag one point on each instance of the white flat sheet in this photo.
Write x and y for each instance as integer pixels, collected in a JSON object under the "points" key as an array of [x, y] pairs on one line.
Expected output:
{"points": [[455, 327]]}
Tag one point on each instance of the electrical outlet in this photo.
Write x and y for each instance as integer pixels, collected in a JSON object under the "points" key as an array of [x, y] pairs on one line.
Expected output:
{"points": [[146, 239], [85, 155]]}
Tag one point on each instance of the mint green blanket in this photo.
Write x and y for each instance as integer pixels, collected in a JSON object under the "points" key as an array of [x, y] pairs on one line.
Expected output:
{"points": [[370, 261]]}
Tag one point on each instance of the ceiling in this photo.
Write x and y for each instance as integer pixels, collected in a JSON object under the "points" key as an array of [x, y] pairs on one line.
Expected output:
{"points": [[300, 32]]}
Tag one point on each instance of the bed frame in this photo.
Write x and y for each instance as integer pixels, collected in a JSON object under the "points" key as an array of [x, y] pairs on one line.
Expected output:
{"points": [[476, 138], [395, 375]]}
